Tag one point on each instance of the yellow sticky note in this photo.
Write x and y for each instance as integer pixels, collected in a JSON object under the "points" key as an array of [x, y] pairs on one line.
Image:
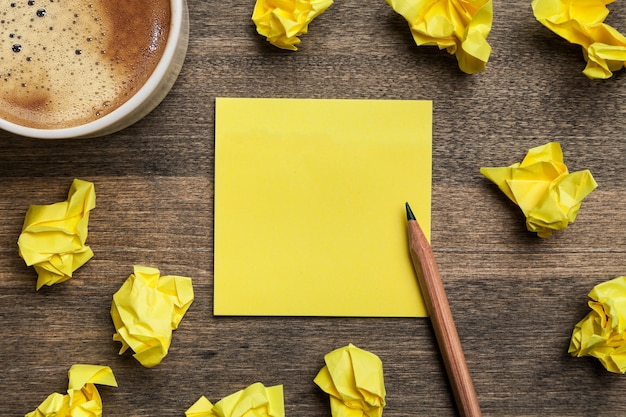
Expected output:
{"points": [[201, 408], [53, 236], [82, 398], [309, 205], [354, 380], [145, 311], [542, 186], [582, 23], [282, 21], [461, 27], [256, 400], [602, 333]]}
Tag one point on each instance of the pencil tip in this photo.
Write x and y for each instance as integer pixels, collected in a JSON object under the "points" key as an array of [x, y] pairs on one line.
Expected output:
{"points": [[409, 212]]}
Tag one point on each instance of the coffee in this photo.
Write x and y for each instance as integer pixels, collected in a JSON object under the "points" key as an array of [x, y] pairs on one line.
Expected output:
{"points": [[64, 63]]}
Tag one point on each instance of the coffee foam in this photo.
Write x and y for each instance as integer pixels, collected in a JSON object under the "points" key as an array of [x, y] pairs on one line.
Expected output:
{"points": [[65, 63]]}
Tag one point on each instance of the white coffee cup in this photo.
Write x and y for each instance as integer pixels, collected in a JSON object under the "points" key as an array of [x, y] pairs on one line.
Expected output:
{"points": [[142, 102]]}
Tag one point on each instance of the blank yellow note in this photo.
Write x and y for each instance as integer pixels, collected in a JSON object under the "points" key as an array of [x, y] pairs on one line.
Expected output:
{"points": [[309, 206]]}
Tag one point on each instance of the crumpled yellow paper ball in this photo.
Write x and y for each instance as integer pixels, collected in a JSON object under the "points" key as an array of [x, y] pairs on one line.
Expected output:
{"points": [[582, 23], [548, 194], [82, 398], [282, 21], [353, 378], [459, 26], [145, 311], [53, 236], [254, 401], [601, 333]]}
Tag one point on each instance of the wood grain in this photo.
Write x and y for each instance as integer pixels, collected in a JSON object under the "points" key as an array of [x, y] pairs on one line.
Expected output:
{"points": [[515, 297]]}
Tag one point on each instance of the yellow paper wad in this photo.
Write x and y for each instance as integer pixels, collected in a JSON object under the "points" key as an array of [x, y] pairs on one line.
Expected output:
{"points": [[309, 205]]}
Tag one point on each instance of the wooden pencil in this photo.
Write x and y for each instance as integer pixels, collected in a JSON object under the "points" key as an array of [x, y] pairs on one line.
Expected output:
{"points": [[440, 314]]}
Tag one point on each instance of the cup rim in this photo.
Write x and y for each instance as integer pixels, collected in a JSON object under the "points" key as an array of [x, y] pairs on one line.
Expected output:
{"points": [[161, 71]]}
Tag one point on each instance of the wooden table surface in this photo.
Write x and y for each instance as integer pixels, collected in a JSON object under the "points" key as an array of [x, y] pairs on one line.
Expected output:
{"points": [[515, 297]]}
